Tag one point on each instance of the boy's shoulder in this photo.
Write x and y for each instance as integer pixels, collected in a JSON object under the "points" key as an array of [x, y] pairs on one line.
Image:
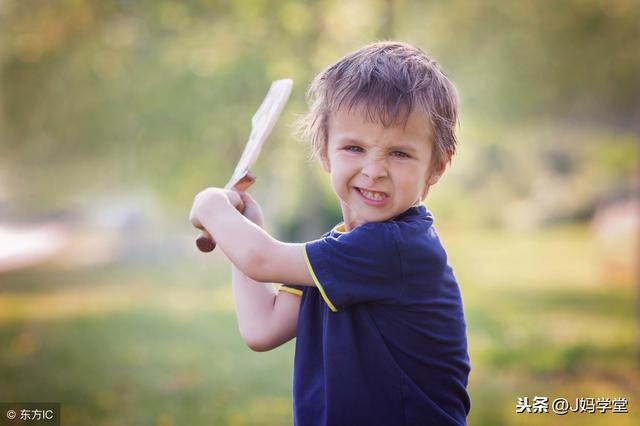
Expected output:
{"points": [[411, 230]]}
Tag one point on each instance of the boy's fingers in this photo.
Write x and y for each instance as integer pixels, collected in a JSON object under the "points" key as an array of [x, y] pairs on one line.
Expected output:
{"points": [[194, 221], [236, 200], [246, 198]]}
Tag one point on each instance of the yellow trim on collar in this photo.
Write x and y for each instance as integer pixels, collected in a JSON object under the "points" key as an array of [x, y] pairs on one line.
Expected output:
{"points": [[286, 289], [340, 228], [315, 280]]}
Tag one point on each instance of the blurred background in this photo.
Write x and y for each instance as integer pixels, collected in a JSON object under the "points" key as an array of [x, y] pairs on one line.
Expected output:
{"points": [[114, 114]]}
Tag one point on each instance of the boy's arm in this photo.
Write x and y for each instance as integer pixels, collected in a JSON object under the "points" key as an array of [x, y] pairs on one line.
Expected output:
{"points": [[252, 250], [266, 319]]}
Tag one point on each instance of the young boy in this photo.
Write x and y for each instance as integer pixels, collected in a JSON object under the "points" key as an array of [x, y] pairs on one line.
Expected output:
{"points": [[375, 308]]}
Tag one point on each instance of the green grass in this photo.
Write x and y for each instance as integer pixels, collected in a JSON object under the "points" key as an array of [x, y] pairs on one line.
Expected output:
{"points": [[158, 345], [544, 320], [147, 350]]}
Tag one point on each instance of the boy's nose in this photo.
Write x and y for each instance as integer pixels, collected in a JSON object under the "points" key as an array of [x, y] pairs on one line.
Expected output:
{"points": [[375, 168]]}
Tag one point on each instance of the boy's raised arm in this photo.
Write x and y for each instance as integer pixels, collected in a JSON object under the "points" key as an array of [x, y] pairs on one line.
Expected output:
{"points": [[266, 318], [252, 250]]}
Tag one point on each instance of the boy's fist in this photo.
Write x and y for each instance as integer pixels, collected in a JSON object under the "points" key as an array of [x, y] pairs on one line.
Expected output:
{"points": [[205, 242], [207, 204]]}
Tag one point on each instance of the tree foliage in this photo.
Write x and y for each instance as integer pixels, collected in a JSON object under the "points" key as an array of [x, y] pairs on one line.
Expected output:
{"points": [[97, 94]]}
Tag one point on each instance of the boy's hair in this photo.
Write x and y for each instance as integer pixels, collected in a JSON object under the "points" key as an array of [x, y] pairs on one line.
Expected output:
{"points": [[388, 80]]}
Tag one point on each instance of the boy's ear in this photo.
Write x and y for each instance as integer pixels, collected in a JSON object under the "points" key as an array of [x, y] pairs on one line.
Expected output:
{"points": [[326, 165], [438, 170], [434, 177]]}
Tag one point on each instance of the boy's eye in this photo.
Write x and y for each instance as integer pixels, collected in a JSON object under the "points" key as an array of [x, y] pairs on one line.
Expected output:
{"points": [[353, 148], [400, 154]]}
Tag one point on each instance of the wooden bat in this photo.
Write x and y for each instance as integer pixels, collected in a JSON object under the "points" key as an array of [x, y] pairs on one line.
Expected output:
{"points": [[261, 126]]}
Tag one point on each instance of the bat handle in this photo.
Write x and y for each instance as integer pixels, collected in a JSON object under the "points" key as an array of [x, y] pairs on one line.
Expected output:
{"points": [[205, 241]]}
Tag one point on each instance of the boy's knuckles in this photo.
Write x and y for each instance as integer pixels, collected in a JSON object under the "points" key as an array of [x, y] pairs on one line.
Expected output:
{"points": [[207, 195]]}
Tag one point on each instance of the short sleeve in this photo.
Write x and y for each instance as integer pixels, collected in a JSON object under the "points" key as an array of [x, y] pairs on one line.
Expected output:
{"points": [[292, 289], [360, 266]]}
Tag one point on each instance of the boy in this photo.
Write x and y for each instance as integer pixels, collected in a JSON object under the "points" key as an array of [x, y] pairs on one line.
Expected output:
{"points": [[375, 308]]}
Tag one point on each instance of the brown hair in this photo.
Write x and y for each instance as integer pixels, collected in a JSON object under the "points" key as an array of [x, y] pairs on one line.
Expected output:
{"points": [[388, 80]]}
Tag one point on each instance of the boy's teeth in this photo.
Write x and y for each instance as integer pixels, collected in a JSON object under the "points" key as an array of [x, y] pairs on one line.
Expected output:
{"points": [[375, 196]]}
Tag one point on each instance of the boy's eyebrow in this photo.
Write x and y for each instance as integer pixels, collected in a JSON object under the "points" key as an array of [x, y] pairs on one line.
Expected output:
{"points": [[405, 148], [347, 140]]}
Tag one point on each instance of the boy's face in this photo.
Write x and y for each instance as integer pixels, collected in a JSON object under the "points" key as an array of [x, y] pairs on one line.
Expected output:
{"points": [[378, 172]]}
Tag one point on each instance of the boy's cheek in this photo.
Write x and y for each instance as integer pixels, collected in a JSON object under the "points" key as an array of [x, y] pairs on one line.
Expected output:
{"points": [[339, 178]]}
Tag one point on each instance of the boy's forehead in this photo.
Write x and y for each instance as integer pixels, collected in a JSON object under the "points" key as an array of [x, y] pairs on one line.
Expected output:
{"points": [[348, 122]]}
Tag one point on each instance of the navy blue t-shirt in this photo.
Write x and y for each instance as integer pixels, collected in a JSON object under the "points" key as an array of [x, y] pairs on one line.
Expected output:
{"points": [[381, 339]]}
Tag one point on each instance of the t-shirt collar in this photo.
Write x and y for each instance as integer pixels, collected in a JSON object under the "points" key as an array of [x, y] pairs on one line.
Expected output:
{"points": [[419, 210]]}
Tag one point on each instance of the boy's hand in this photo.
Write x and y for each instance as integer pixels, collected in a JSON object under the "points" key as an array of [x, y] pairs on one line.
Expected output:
{"points": [[208, 203], [252, 210]]}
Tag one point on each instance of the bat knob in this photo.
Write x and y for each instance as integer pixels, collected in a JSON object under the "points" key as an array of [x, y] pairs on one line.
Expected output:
{"points": [[205, 244]]}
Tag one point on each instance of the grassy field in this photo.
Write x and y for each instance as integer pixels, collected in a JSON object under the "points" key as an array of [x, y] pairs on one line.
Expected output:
{"points": [[158, 344]]}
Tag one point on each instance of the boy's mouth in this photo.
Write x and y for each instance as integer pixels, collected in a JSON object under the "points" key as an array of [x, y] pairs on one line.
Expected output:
{"points": [[372, 197]]}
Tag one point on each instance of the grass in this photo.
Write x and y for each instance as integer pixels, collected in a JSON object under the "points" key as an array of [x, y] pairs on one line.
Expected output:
{"points": [[136, 349], [544, 319], [157, 344]]}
